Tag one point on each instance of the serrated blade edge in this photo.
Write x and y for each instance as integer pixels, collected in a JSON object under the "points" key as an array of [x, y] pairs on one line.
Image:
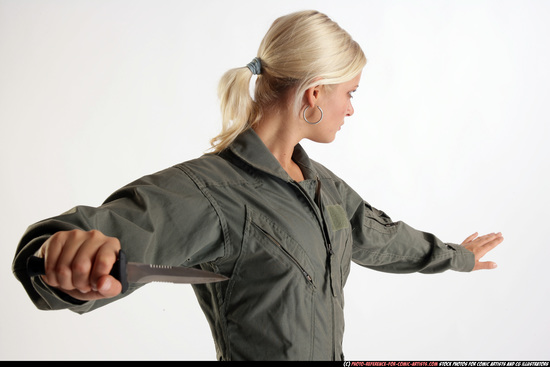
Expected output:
{"points": [[145, 273]]}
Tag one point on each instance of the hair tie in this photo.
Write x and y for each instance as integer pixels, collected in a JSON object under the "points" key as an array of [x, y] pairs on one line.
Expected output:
{"points": [[255, 66]]}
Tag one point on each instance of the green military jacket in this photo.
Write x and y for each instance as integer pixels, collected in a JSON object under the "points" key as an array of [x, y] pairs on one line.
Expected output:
{"points": [[287, 247]]}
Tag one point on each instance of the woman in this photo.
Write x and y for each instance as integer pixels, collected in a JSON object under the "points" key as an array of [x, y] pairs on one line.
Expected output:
{"points": [[282, 227]]}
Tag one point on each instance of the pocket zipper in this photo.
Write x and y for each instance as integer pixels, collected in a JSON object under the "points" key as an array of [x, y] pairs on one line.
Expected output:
{"points": [[288, 254]]}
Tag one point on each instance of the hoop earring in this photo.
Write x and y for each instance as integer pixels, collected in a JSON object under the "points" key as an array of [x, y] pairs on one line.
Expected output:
{"points": [[309, 122]]}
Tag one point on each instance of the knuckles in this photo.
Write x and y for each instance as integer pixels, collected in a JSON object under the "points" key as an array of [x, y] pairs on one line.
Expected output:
{"points": [[81, 267], [77, 240], [78, 259]]}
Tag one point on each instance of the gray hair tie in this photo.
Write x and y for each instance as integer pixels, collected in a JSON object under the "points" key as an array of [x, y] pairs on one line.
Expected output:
{"points": [[255, 66]]}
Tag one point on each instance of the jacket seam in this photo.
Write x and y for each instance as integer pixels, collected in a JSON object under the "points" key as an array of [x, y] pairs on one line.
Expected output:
{"points": [[213, 202], [226, 243]]}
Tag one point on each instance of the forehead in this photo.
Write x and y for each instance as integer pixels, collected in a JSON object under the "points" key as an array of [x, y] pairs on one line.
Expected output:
{"points": [[350, 84], [354, 82]]}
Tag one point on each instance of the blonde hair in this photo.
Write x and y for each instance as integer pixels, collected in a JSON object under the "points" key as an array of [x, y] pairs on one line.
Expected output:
{"points": [[299, 51]]}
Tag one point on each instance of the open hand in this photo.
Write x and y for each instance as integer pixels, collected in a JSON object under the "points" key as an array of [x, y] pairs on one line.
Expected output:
{"points": [[480, 246]]}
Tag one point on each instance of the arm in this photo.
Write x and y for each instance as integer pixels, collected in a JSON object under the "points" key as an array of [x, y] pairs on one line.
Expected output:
{"points": [[384, 245], [161, 219]]}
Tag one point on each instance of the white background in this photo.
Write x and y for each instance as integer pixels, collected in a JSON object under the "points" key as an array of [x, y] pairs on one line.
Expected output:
{"points": [[450, 134]]}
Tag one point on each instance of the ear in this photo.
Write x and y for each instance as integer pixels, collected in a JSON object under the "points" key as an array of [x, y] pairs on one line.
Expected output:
{"points": [[311, 96]]}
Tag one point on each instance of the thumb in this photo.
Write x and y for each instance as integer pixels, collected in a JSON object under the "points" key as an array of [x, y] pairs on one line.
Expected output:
{"points": [[108, 286], [485, 265]]}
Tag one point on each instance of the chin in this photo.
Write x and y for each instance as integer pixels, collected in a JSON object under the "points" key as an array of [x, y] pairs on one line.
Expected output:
{"points": [[324, 139]]}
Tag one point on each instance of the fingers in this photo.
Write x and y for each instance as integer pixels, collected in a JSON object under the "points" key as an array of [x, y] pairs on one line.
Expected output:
{"points": [[54, 263], [78, 262], [480, 246], [470, 238], [488, 242], [107, 287], [104, 260]]}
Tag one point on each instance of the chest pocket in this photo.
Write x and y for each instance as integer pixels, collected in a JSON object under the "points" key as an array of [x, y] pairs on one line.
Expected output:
{"points": [[272, 288]]}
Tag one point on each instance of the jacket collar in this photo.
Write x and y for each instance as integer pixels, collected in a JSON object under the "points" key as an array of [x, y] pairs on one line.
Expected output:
{"points": [[250, 148]]}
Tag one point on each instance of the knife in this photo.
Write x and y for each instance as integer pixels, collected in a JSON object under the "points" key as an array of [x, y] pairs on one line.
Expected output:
{"points": [[131, 272]]}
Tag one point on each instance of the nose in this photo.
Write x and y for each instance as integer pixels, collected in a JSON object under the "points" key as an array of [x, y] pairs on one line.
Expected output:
{"points": [[350, 110]]}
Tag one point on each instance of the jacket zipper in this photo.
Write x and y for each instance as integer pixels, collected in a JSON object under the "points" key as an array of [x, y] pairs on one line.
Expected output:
{"points": [[328, 245], [288, 254], [317, 208]]}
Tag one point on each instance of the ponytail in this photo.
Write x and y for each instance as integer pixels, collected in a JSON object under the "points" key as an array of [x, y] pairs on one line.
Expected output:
{"points": [[237, 106]]}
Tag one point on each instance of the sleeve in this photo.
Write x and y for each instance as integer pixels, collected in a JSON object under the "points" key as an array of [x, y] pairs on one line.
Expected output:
{"points": [[395, 247], [160, 219]]}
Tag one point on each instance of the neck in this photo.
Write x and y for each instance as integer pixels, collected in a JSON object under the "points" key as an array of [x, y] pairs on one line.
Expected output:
{"points": [[280, 133]]}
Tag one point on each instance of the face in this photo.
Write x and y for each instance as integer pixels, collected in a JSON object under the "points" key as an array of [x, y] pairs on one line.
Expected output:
{"points": [[336, 105]]}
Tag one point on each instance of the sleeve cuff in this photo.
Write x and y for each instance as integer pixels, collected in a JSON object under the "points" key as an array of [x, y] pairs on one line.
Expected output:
{"points": [[464, 260]]}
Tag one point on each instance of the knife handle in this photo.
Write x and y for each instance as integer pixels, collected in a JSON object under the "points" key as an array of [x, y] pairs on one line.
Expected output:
{"points": [[35, 266]]}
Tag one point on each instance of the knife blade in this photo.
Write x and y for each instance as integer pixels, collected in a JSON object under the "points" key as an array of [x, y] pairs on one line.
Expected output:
{"points": [[131, 272]]}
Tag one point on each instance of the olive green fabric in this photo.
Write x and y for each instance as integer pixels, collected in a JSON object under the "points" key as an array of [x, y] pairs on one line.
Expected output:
{"points": [[287, 247]]}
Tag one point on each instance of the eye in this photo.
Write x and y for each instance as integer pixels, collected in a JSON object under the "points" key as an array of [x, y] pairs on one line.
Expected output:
{"points": [[351, 93]]}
